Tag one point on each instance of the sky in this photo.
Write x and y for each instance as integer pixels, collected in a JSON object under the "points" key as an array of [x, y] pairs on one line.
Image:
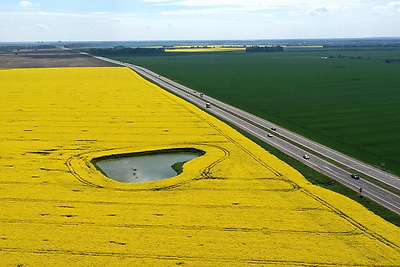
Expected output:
{"points": [[139, 20]]}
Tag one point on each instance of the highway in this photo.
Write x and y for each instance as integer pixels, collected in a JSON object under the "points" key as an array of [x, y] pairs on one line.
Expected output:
{"points": [[288, 142]]}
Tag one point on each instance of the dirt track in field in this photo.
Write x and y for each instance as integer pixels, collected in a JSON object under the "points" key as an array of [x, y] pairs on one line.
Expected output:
{"points": [[48, 58]]}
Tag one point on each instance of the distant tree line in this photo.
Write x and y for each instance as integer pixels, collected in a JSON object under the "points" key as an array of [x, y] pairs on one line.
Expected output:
{"points": [[124, 51], [264, 49], [350, 57], [14, 48], [76, 45], [392, 61]]}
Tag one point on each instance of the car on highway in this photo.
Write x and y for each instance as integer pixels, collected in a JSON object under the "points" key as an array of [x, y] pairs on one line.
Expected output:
{"points": [[269, 135], [201, 94], [305, 156], [273, 128], [355, 176], [208, 105]]}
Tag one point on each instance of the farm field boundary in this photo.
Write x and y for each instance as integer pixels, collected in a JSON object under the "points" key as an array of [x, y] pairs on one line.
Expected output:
{"points": [[48, 58]]}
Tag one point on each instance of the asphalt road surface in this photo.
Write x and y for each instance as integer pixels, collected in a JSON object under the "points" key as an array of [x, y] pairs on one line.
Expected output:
{"points": [[288, 142]]}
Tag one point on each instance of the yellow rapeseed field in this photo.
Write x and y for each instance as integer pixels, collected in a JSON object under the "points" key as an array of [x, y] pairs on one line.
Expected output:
{"points": [[235, 205], [214, 48]]}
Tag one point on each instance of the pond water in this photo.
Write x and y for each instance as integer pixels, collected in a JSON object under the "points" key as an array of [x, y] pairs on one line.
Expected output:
{"points": [[138, 168]]}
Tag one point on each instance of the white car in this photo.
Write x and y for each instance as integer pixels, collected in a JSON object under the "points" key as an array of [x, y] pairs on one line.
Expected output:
{"points": [[305, 156]]}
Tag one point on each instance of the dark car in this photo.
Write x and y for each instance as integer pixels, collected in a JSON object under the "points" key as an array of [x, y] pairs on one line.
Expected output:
{"points": [[273, 128], [355, 176]]}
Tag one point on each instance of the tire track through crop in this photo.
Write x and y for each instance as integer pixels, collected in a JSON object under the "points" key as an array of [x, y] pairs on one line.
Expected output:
{"points": [[204, 260], [204, 174]]}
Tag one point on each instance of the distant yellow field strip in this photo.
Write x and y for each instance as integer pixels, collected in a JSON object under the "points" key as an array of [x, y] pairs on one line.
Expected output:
{"points": [[212, 48]]}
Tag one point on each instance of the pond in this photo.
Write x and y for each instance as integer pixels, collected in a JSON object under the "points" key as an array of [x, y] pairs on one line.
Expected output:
{"points": [[144, 166]]}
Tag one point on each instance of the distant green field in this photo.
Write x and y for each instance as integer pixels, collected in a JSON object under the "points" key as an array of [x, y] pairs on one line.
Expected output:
{"points": [[348, 99]]}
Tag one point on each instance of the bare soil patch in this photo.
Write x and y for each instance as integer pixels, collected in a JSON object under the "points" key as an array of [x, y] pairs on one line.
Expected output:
{"points": [[49, 58]]}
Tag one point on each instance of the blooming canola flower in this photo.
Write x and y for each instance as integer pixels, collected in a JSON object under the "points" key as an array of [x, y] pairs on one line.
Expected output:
{"points": [[213, 48], [235, 205]]}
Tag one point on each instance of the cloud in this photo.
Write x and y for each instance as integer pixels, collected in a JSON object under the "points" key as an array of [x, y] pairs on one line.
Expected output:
{"points": [[319, 10], [43, 27], [335, 10], [202, 11], [206, 3], [25, 4], [212, 7], [252, 4], [49, 15], [157, 1], [389, 8], [211, 19], [116, 20], [216, 8]]}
